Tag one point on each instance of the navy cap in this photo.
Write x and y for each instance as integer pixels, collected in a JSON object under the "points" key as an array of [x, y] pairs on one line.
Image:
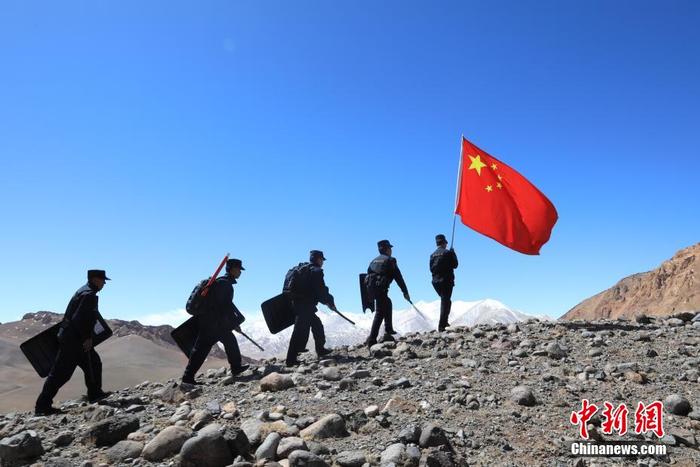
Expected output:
{"points": [[384, 244], [235, 263], [313, 254], [440, 238], [98, 273]]}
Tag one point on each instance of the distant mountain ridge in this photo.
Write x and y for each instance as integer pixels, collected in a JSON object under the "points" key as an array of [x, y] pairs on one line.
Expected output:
{"points": [[671, 288], [339, 332]]}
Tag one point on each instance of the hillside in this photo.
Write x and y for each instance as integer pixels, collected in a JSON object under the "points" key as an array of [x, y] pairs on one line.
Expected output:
{"points": [[671, 288]]}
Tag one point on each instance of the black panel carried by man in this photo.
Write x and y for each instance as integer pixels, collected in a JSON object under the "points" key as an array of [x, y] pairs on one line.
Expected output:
{"points": [[382, 271], [305, 287], [216, 323], [443, 263], [75, 346]]}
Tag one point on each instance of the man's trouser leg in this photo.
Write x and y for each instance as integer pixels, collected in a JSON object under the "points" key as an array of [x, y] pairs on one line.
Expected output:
{"points": [[233, 353], [383, 303], [92, 370], [388, 318], [445, 291], [300, 334], [202, 346], [318, 332], [60, 374]]}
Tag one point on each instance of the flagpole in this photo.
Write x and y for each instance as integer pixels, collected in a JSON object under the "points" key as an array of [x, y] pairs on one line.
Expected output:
{"points": [[459, 185]]}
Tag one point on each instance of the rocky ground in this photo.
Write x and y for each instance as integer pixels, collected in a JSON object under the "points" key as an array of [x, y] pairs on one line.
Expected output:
{"points": [[490, 395]]}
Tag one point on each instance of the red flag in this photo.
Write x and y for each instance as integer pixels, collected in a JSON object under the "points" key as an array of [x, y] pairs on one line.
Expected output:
{"points": [[497, 201]]}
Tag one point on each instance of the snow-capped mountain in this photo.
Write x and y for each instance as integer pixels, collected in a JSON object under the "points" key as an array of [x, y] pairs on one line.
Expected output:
{"points": [[339, 332]]}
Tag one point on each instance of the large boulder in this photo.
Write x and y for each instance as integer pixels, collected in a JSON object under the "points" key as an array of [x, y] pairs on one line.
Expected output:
{"points": [[276, 382], [208, 449], [20, 448], [110, 431], [166, 443], [330, 426]]}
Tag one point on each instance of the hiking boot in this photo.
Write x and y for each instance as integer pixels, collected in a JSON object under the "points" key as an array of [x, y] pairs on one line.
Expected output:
{"points": [[239, 369], [92, 398], [192, 382], [292, 363], [47, 411], [323, 352], [390, 331], [388, 338]]}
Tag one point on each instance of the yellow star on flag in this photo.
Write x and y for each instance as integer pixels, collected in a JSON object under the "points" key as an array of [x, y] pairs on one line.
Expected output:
{"points": [[476, 164], [494, 166], [499, 186], [499, 177], [489, 188]]}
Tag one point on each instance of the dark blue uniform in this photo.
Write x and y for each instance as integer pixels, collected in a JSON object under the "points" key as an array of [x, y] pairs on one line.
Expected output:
{"points": [[312, 291], [78, 326], [443, 262], [216, 325], [382, 271]]}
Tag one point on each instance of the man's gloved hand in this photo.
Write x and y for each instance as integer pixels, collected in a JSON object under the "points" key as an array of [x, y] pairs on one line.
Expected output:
{"points": [[237, 328], [406, 296]]}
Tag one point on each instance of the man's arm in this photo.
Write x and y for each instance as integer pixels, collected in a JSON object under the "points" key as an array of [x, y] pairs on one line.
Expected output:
{"points": [[320, 290], [398, 277], [84, 317]]}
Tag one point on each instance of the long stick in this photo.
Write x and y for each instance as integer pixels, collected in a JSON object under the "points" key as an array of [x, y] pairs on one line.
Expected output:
{"points": [[205, 291], [251, 340], [344, 317], [418, 311]]}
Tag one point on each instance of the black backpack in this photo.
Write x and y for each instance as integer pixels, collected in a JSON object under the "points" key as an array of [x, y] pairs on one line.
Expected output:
{"points": [[198, 304], [296, 281]]}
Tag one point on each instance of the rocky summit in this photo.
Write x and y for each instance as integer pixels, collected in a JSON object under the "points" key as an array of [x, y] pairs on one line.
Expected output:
{"points": [[486, 395]]}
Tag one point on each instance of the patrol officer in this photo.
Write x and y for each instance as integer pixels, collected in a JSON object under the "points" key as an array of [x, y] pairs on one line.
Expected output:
{"points": [[310, 291], [443, 263], [75, 346], [215, 325], [382, 271]]}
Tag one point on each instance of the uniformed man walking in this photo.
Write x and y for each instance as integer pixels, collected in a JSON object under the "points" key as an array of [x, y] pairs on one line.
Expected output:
{"points": [[382, 271], [308, 288], [215, 325], [443, 263], [75, 346]]}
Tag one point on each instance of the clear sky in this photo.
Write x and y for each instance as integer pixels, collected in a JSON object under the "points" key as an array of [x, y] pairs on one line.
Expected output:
{"points": [[150, 138]]}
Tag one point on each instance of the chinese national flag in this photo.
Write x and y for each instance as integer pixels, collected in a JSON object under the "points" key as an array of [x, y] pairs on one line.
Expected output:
{"points": [[497, 201]]}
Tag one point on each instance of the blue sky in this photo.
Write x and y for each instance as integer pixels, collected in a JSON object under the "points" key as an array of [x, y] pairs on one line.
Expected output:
{"points": [[150, 138]]}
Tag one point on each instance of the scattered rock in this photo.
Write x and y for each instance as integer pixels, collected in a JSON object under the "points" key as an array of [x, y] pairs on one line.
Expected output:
{"points": [[20, 448], [522, 395], [276, 382], [207, 449], [677, 405], [124, 450], [432, 435], [166, 443], [330, 426], [111, 431]]}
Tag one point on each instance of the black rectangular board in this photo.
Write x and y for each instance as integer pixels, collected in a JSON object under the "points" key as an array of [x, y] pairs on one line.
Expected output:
{"points": [[278, 313], [41, 350], [364, 296]]}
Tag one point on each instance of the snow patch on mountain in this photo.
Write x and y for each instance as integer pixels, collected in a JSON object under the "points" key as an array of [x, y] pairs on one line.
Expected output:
{"points": [[339, 332]]}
